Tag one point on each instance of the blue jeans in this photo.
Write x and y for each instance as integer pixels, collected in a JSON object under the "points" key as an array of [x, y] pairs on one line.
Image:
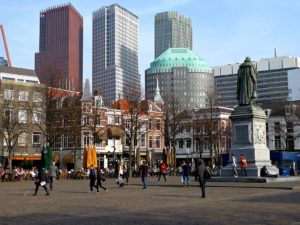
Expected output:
{"points": [[186, 180], [202, 185], [145, 181]]}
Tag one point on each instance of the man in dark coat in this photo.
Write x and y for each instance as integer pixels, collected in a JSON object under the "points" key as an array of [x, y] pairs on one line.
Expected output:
{"points": [[92, 177], [143, 170], [201, 169], [100, 179], [41, 179]]}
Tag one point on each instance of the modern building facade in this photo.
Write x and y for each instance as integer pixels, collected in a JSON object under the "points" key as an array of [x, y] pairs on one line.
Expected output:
{"points": [[59, 62], [181, 75], [172, 30], [277, 80], [21, 111], [115, 53], [3, 62]]}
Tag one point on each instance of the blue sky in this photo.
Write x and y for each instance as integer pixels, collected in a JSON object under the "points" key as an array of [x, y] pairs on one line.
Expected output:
{"points": [[224, 31]]}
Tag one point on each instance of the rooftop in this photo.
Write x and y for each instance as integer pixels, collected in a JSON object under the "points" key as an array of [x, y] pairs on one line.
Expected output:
{"points": [[179, 57]]}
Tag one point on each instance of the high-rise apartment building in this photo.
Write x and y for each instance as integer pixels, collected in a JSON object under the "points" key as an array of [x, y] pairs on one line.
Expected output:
{"points": [[59, 60], [277, 80], [115, 53], [3, 62], [172, 30]]}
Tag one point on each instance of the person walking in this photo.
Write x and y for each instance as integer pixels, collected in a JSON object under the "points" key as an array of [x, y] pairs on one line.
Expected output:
{"points": [[92, 177], [125, 172], [201, 168], [186, 171], [52, 174], [41, 179], [100, 179], [243, 164], [162, 170], [234, 165], [143, 170]]}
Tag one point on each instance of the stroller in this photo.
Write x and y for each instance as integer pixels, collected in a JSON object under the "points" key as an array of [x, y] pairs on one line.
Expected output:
{"points": [[120, 181]]}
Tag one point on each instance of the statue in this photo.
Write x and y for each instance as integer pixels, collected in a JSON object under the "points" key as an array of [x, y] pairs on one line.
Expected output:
{"points": [[246, 83]]}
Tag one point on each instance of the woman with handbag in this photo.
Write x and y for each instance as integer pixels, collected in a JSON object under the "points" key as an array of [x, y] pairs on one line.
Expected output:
{"points": [[41, 179]]}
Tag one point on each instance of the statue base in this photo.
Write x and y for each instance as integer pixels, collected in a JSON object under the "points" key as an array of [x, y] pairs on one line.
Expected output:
{"points": [[249, 139]]}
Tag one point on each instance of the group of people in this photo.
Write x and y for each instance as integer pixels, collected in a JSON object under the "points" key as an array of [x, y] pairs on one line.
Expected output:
{"points": [[186, 170], [243, 165]]}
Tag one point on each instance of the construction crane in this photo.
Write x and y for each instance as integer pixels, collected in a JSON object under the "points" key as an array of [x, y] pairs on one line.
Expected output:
{"points": [[5, 45]]}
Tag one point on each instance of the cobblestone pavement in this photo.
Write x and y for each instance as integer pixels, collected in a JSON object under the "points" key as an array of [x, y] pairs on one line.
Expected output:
{"points": [[162, 203]]}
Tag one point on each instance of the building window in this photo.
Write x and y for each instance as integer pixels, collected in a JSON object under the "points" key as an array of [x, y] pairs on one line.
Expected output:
{"points": [[277, 143], [36, 117], [157, 141], [188, 143], [22, 116], [9, 94], [36, 138], [188, 129], [22, 138], [65, 121], [5, 138], [143, 140], [86, 139], [110, 120], [23, 95], [150, 125], [86, 120], [37, 97], [98, 120], [8, 114], [117, 120], [277, 127], [180, 143], [223, 142], [150, 142], [65, 141], [157, 124], [223, 126]]}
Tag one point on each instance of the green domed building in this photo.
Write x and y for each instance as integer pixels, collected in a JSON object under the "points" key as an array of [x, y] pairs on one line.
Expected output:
{"points": [[180, 73]]}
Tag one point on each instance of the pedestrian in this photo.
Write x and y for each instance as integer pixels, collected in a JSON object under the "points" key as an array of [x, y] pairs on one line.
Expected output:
{"points": [[186, 171], [243, 164], [125, 172], [162, 170], [143, 170], [100, 179], [201, 168], [52, 174], [92, 177], [41, 179], [234, 165]]}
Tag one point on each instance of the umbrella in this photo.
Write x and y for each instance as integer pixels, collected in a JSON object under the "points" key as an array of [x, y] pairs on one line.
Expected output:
{"points": [[89, 157], [94, 157]]}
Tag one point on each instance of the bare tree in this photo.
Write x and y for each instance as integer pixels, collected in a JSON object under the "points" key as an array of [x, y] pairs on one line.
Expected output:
{"points": [[12, 126], [173, 120], [132, 122]]}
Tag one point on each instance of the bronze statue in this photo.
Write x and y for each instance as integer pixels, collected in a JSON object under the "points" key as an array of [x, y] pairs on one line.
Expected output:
{"points": [[246, 83]]}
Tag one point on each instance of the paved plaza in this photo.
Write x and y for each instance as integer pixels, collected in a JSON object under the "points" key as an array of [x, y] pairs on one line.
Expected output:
{"points": [[163, 203]]}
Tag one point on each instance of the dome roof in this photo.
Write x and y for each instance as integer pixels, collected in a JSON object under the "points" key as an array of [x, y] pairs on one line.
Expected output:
{"points": [[179, 57]]}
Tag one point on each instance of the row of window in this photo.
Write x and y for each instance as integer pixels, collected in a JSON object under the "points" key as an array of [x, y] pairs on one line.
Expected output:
{"points": [[23, 138], [23, 95], [22, 115]]}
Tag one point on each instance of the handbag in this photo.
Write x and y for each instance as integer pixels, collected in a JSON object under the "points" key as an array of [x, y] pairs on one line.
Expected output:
{"points": [[207, 174]]}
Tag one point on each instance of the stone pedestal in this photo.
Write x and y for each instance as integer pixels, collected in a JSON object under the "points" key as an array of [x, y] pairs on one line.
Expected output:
{"points": [[249, 139]]}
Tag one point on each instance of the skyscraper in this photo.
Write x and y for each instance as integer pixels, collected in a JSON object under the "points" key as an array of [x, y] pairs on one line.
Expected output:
{"points": [[59, 60], [115, 53], [172, 30]]}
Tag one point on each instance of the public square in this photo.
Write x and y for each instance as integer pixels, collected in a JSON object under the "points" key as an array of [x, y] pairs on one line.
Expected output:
{"points": [[162, 203]]}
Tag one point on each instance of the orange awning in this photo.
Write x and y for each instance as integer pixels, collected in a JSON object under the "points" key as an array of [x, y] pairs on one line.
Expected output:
{"points": [[31, 157]]}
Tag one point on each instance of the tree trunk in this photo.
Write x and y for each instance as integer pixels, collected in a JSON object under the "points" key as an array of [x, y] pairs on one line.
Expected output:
{"points": [[130, 157]]}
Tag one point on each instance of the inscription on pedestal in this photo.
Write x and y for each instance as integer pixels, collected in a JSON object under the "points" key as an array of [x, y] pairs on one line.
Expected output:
{"points": [[241, 134]]}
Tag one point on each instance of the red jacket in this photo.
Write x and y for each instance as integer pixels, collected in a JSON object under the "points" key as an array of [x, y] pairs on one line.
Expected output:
{"points": [[243, 162]]}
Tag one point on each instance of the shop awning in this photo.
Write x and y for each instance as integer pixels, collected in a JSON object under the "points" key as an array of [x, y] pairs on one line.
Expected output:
{"points": [[30, 157]]}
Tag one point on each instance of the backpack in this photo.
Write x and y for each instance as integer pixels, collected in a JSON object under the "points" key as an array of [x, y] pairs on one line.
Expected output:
{"points": [[207, 174]]}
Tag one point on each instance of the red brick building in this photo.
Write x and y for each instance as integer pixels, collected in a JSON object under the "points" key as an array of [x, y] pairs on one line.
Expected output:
{"points": [[59, 61]]}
